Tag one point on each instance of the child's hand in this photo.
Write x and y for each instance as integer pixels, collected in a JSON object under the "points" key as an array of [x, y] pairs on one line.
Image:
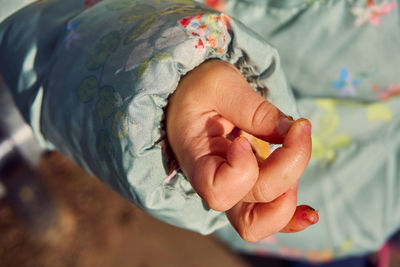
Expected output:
{"points": [[259, 200]]}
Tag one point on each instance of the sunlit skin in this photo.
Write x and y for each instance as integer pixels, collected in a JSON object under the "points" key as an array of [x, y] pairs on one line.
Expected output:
{"points": [[303, 217], [259, 198]]}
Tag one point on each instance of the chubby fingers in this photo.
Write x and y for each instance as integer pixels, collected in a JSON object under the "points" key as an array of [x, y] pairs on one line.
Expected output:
{"points": [[237, 101], [256, 221], [221, 171], [285, 165], [222, 181]]}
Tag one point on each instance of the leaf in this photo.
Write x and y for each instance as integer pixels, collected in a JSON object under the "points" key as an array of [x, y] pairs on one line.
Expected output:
{"points": [[140, 53], [120, 125], [187, 2], [187, 10], [139, 30], [162, 56], [121, 4], [87, 89], [138, 12], [97, 56], [111, 40], [143, 68], [105, 104], [100, 52]]}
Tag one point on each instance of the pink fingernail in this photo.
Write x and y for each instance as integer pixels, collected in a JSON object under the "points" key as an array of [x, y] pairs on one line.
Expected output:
{"points": [[303, 217], [284, 124], [306, 127], [313, 217], [244, 143], [310, 214]]}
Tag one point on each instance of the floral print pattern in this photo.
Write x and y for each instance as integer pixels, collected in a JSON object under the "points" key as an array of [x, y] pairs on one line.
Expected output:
{"points": [[346, 84], [70, 33], [327, 138], [387, 93], [216, 4], [198, 33], [372, 13], [209, 30]]}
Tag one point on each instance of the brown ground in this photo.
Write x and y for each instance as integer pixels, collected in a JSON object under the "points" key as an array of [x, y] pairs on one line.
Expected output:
{"points": [[99, 228]]}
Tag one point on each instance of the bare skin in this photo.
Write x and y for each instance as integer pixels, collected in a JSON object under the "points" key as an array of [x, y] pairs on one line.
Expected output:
{"points": [[259, 199]]}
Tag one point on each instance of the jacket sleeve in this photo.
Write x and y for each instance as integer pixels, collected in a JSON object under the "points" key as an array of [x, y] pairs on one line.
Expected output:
{"points": [[9, 7], [93, 80]]}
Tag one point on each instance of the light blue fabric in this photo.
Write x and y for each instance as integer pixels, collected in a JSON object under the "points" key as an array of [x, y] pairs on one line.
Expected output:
{"points": [[98, 77], [10, 6], [343, 68], [93, 79]]}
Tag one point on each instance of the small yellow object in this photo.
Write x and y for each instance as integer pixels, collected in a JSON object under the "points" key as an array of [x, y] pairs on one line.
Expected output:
{"points": [[260, 147]]}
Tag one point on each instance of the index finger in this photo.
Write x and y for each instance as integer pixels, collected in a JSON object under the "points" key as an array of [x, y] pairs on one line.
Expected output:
{"points": [[285, 165], [239, 103]]}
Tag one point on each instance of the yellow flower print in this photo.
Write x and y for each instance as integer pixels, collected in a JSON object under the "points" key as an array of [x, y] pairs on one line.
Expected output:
{"points": [[379, 112], [120, 125], [326, 140]]}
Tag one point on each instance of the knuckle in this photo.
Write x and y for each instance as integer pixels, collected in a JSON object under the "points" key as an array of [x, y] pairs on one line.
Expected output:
{"points": [[263, 193], [248, 236], [262, 113], [217, 203], [246, 224]]}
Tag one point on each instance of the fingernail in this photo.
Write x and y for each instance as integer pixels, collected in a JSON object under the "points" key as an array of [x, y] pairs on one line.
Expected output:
{"points": [[307, 214], [311, 215], [284, 124], [303, 217], [244, 143], [306, 126]]}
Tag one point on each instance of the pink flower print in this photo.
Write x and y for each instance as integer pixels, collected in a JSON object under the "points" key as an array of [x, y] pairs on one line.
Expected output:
{"points": [[200, 44], [192, 21], [213, 42], [216, 4], [391, 91], [211, 31], [372, 12]]}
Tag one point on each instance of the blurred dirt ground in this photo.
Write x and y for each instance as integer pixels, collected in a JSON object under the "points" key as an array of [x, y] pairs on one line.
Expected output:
{"points": [[99, 228]]}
